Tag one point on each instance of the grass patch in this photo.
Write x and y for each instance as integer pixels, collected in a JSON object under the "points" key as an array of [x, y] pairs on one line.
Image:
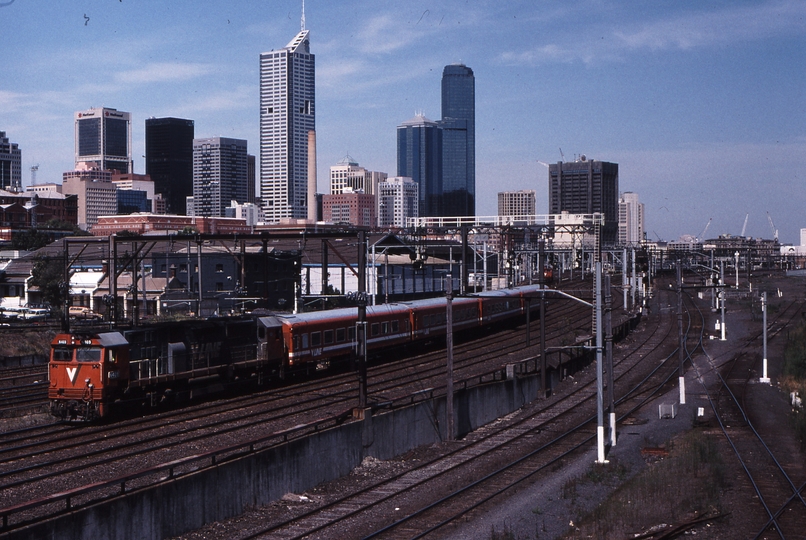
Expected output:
{"points": [[686, 484]]}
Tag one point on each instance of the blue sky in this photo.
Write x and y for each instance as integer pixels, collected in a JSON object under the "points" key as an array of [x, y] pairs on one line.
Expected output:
{"points": [[702, 104]]}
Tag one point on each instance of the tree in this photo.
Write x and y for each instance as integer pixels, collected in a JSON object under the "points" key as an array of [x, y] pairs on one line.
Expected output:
{"points": [[48, 274], [30, 240]]}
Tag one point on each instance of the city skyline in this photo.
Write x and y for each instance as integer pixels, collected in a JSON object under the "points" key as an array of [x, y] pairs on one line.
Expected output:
{"points": [[701, 106]]}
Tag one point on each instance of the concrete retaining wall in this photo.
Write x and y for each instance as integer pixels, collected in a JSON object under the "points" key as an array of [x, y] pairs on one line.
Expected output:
{"points": [[224, 491]]}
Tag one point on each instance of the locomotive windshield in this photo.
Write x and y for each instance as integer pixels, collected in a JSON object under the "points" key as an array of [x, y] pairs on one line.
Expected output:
{"points": [[88, 354], [62, 354]]}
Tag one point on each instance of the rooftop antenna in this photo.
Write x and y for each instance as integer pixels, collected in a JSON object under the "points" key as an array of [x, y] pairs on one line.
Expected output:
{"points": [[302, 23]]}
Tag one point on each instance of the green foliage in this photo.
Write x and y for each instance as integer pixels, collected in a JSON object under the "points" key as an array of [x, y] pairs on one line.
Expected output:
{"points": [[48, 275], [795, 354], [30, 240]]}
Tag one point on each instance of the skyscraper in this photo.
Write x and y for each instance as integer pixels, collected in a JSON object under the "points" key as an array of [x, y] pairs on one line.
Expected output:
{"points": [[586, 187], [397, 201], [348, 174], [10, 165], [630, 219], [219, 175], [287, 114], [419, 156], [104, 139], [458, 141], [169, 160]]}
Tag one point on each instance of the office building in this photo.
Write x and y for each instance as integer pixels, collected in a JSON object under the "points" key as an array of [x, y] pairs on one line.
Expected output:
{"points": [[516, 203], [131, 201], [348, 174], [458, 126], [351, 207], [96, 194], [251, 213], [169, 160], [10, 165], [104, 139], [219, 175], [630, 219], [287, 114], [397, 201], [419, 157], [586, 187]]}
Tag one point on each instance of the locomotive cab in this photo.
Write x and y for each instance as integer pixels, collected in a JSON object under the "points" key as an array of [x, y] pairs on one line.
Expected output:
{"points": [[85, 374]]}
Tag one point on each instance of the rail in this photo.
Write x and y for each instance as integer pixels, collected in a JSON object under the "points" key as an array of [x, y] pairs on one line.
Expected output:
{"points": [[228, 453]]}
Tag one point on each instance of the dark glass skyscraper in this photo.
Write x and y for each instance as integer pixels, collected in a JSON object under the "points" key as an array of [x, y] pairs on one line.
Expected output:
{"points": [[169, 160], [458, 141], [586, 187], [419, 156], [104, 139]]}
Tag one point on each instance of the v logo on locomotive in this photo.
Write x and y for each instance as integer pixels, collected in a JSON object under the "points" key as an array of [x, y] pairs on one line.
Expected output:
{"points": [[72, 372]]}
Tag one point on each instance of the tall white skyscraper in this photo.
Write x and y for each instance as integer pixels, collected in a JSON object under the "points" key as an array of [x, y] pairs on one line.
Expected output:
{"points": [[287, 114], [630, 219]]}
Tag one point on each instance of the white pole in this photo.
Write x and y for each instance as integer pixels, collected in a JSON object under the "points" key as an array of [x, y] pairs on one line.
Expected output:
{"points": [[765, 378]]}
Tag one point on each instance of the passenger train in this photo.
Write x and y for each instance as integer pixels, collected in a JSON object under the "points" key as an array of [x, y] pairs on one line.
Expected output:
{"points": [[93, 374]]}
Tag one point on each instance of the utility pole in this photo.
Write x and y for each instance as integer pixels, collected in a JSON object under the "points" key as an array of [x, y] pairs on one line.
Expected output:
{"points": [[722, 296], [543, 362], [611, 398], [764, 378], [449, 425], [681, 345], [361, 326], [599, 367]]}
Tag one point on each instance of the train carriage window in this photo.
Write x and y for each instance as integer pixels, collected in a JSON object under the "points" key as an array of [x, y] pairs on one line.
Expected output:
{"points": [[316, 339], [304, 341], [88, 354], [328, 337], [395, 326], [375, 329], [339, 335], [385, 327], [62, 354], [261, 333], [351, 333]]}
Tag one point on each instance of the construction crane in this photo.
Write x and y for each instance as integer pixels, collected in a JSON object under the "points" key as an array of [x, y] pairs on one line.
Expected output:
{"points": [[744, 227], [772, 227], [705, 230], [546, 165], [561, 154]]}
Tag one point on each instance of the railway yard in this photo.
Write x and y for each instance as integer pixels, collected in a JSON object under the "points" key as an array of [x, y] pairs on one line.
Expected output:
{"points": [[527, 474]]}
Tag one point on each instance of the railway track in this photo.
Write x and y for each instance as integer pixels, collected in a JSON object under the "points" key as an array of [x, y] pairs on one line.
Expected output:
{"points": [[27, 469], [777, 479], [487, 465]]}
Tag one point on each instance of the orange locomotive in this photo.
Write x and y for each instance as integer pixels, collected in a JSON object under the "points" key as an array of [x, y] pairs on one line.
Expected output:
{"points": [[91, 373]]}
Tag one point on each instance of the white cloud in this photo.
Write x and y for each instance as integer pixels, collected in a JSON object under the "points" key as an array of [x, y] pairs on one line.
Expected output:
{"points": [[163, 72]]}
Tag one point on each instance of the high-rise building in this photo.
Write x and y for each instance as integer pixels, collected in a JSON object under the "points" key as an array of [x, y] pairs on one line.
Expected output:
{"points": [[397, 201], [169, 160], [10, 165], [219, 175], [630, 219], [516, 203], [104, 139], [458, 141], [97, 195], [287, 114], [348, 174], [419, 156], [351, 207], [586, 187]]}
